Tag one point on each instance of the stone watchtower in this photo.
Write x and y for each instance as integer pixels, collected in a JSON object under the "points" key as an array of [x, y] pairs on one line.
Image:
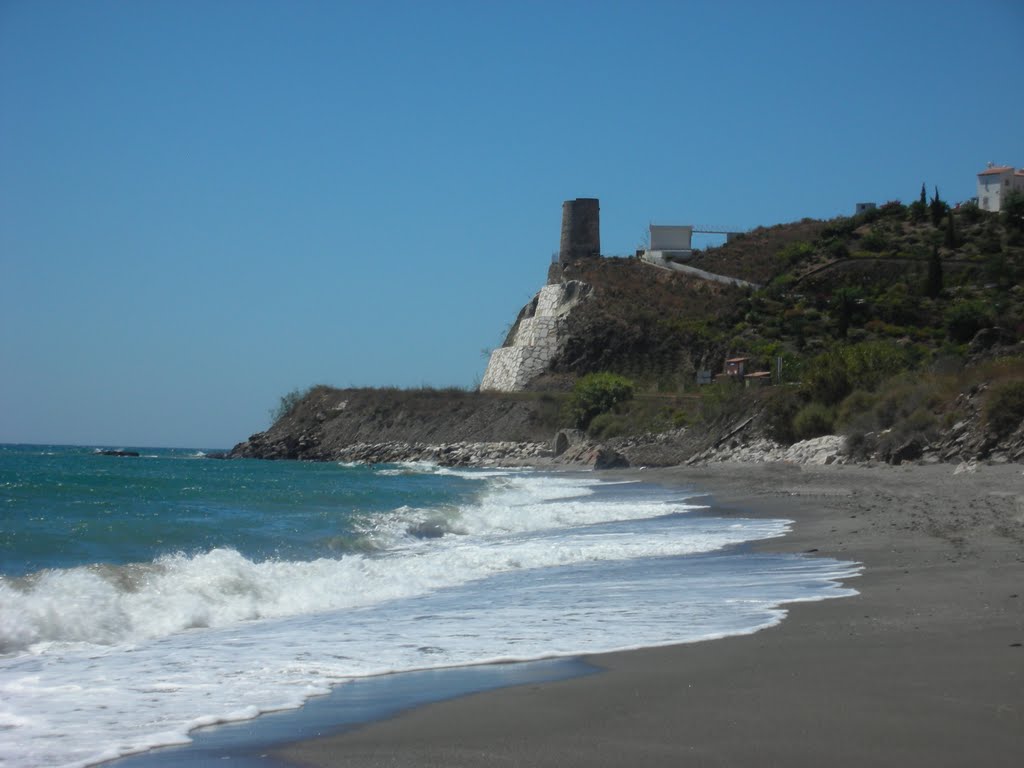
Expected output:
{"points": [[581, 229]]}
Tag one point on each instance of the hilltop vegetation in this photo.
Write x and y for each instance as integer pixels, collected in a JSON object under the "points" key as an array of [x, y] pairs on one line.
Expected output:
{"points": [[900, 327], [873, 325]]}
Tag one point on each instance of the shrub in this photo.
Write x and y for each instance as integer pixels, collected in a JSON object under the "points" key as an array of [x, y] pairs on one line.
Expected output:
{"points": [[901, 397], [793, 253], [837, 249], [722, 399], [841, 226], [855, 410], [781, 407], [1013, 211], [680, 418], [597, 393], [875, 241], [813, 420], [872, 362], [288, 403], [825, 378], [970, 212], [606, 425], [1004, 407], [921, 421], [965, 318], [893, 209]]}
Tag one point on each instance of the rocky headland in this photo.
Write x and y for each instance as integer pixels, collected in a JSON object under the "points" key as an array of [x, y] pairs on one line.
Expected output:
{"points": [[893, 336]]}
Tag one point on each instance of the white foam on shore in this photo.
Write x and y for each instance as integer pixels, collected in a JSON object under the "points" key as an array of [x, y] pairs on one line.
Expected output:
{"points": [[114, 661]]}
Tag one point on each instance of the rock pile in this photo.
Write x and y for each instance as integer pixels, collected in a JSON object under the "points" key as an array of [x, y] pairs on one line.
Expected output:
{"points": [[828, 449], [446, 454]]}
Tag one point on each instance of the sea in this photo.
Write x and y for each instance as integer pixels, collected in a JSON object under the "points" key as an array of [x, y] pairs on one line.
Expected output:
{"points": [[145, 597]]}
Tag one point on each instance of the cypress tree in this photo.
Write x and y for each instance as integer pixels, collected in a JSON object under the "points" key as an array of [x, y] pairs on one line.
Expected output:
{"points": [[952, 241], [934, 285], [917, 211], [937, 208]]}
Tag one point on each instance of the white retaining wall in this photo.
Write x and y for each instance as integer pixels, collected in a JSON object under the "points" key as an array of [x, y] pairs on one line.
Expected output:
{"points": [[536, 341]]}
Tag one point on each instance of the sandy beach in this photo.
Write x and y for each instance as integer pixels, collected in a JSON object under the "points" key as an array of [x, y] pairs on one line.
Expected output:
{"points": [[925, 667]]}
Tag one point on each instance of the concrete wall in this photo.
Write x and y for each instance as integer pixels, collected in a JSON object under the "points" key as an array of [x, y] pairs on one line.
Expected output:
{"points": [[671, 238], [655, 258], [537, 339]]}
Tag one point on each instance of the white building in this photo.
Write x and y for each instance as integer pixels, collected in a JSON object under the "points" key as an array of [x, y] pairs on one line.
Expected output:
{"points": [[995, 182], [672, 243]]}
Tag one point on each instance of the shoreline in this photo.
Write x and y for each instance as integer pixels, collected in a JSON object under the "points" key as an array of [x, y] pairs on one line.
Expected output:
{"points": [[923, 667]]}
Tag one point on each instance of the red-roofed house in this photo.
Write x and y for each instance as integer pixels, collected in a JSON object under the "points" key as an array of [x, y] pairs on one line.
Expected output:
{"points": [[995, 182]]}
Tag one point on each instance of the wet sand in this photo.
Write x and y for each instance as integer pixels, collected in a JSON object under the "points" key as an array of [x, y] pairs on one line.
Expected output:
{"points": [[925, 667]]}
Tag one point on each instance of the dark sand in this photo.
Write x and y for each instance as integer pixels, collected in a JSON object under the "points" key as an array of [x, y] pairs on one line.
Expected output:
{"points": [[924, 668]]}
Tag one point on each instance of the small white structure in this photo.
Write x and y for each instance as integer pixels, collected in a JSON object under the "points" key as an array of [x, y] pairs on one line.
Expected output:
{"points": [[995, 182], [671, 243]]}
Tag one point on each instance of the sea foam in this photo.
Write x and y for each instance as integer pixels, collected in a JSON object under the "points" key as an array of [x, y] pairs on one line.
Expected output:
{"points": [[221, 587], [110, 660]]}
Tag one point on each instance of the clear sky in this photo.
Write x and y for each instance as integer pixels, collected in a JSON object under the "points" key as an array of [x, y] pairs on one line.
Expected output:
{"points": [[206, 204]]}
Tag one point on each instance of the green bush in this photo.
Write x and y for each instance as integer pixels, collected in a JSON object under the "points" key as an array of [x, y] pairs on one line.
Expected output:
{"points": [[970, 213], [781, 407], [793, 253], [875, 241], [680, 418], [825, 378], [813, 420], [288, 403], [921, 421], [837, 249], [606, 425], [892, 209], [1004, 407], [965, 318], [902, 397], [842, 226], [723, 399], [855, 410], [597, 393], [1013, 211], [870, 363]]}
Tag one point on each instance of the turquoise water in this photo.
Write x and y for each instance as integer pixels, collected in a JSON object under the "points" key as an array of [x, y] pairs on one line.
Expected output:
{"points": [[144, 597], [70, 506]]}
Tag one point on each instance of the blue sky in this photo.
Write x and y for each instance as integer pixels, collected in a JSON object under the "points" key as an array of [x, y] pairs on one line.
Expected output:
{"points": [[205, 205]]}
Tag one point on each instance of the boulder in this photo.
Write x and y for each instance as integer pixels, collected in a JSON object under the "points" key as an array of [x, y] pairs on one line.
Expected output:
{"points": [[566, 439], [911, 450], [604, 457]]}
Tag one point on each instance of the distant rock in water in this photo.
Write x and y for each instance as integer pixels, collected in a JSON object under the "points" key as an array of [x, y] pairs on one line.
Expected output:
{"points": [[112, 452]]}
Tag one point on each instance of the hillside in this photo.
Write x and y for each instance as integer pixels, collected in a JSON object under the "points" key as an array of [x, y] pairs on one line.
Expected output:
{"points": [[849, 280], [901, 328]]}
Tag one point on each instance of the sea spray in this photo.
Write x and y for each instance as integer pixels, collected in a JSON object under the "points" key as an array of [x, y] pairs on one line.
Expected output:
{"points": [[428, 568]]}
